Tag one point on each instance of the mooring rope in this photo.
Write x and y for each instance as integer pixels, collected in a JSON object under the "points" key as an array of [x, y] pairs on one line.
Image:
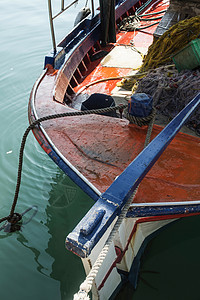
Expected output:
{"points": [[86, 286], [133, 22], [140, 121], [11, 227], [13, 217]]}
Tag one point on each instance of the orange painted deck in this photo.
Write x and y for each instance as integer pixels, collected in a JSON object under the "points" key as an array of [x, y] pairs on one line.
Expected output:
{"points": [[102, 147]]}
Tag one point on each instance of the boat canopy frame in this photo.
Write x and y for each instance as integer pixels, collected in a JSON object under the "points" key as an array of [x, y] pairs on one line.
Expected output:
{"points": [[63, 8]]}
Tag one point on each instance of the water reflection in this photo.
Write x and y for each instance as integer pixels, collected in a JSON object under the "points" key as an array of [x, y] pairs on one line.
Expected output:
{"points": [[66, 206], [36, 254], [21, 238], [33, 262]]}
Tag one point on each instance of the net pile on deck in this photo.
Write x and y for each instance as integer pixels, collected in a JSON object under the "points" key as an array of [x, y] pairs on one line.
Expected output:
{"points": [[170, 90]]}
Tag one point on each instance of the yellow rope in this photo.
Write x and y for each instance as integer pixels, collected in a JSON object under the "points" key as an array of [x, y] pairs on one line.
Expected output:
{"points": [[172, 41], [161, 51], [131, 82]]}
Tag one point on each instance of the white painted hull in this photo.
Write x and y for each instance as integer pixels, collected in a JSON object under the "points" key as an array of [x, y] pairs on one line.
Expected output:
{"points": [[131, 237]]}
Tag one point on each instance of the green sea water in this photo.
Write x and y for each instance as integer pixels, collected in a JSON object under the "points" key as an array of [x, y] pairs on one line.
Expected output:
{"points": [[34, 263]]}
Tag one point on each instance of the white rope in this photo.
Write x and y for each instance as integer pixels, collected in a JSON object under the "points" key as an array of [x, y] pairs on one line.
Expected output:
{"points": [[86, 286]]}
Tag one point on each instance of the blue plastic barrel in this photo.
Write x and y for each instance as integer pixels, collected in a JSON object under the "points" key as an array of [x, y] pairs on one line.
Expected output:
{"points": [[140, 105]]}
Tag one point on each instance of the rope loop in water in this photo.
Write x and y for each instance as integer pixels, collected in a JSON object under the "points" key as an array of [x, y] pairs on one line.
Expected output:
{"points": [[15, 216]]}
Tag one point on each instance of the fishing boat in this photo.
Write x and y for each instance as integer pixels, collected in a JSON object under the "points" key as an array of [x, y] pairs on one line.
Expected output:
{"points": [[140, 175]]}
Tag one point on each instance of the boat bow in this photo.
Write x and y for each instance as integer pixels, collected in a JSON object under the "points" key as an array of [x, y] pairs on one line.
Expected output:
{"points": [[109, 205]]}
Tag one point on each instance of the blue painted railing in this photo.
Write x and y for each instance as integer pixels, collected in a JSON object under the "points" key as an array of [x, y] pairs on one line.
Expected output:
{"points": [[95, 223], [86, 33]]}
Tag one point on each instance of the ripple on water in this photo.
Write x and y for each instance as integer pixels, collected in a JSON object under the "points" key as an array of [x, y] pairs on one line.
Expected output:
{"points": [[34, 262]]}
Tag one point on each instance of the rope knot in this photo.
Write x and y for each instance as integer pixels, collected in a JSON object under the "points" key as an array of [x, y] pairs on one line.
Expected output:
{"points": [[141, 121], [12, 224], [14, 218]]}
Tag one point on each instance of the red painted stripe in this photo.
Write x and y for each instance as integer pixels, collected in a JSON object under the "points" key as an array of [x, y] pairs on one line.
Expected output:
{"points": [[142, 220]]}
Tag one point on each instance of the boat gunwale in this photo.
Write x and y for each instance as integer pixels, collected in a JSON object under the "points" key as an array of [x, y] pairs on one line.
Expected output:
{"points": [[42, 137], [39, 132], [134, 206], [93, 191], [117, 195]]}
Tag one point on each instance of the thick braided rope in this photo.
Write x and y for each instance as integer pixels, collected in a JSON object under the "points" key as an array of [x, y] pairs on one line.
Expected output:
{"points": [[37, 122], [86, 286], [34, 124], [140, 121]]}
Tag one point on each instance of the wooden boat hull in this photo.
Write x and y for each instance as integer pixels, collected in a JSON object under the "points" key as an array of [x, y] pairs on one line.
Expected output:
{"points": [[93, 151], [103, 151]]}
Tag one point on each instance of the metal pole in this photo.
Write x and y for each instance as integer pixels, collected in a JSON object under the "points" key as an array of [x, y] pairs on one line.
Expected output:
{"points": [[60, 12], [92, 3], [62, 4], [51, 26]]}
